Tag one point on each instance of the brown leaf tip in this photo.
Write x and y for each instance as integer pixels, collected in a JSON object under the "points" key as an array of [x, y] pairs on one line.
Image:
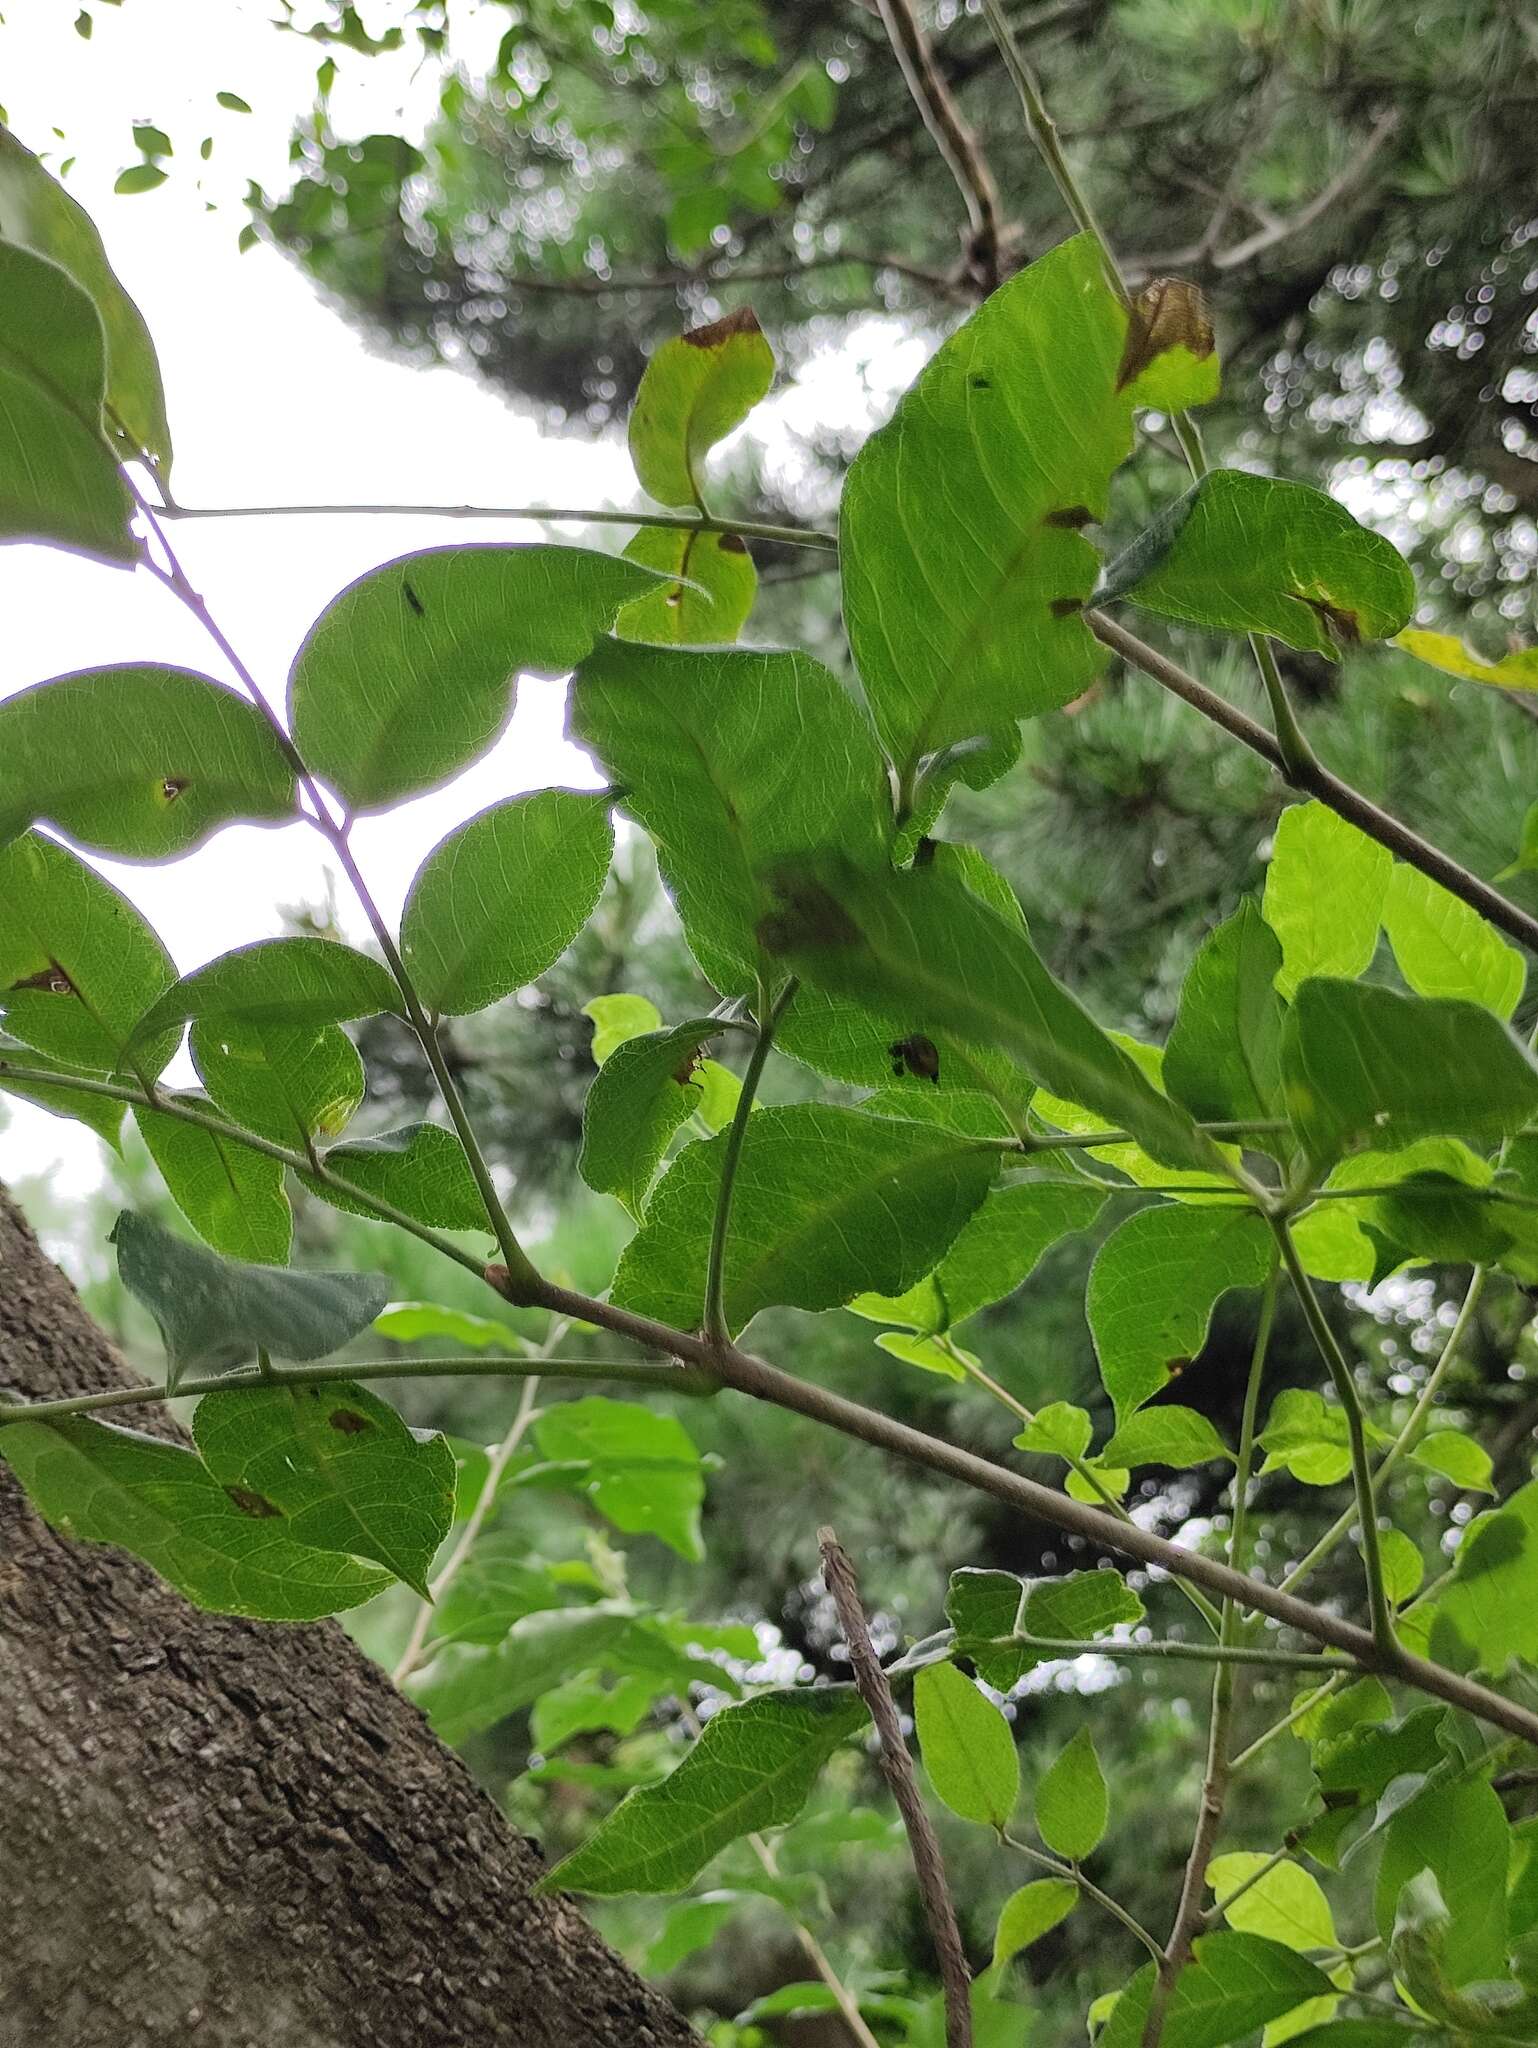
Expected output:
{"points": [[1169, 312], [732, 544], [719, 332]]}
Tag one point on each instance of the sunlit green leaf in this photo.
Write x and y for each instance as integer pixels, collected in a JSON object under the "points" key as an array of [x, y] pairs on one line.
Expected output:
{"points": [[1031, 1912], [287, 1082], [707, 604], [410, 1322], [617, 1019], [1458, 1458], [640, 1470], [1515, 671], [1072, 1804], [967, 1746], [1253, 554], [1446, 949], [99, 1484], [991, 1610], [276, 982], [420, 1169], [1223, 1059], [752, 1768], [1460, 1833], [1325, 890], [1283, 1902], [1165, 1436], [408, 675], [645, 1089], [503, 896], [696, 389], [1489, 1614]]}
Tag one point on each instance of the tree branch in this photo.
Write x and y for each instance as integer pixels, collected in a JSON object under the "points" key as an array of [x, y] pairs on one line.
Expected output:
{"points": [[897, 1768]]}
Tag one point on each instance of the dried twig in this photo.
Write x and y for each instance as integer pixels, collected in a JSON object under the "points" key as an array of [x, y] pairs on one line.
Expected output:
{"points": [[897, 1766]]}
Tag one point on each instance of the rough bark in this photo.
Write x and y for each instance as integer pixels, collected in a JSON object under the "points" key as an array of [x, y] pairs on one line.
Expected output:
{"points": [[241, 1836]]}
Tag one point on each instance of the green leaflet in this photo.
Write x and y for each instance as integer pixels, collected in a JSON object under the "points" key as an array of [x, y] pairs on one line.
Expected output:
{"points": [[618, 1018], [967, 1746], [1234, 1984], [215, 1313], [1072, 1804], [1488, 1616], [922, 940], [991, 1610], [641, 1470], [409, 674], [1284, 1903], [1517, 671], [1165, 1436], [644, 1090], [1223, 1059], [233, 1197], [503, 896], [1325, 889], [98, 1484], [276, 982], [1460, 1833], [338, 1466], [1361, 1062], [712, 592], [37, 213], [420, 1169], [827, 1203], [695, 391], [96, 1112], [1031, 1912], [733, 760], [1154, 1285], [145, 762], [411, 1322], [287, 1082], [59, 480], [752, 1768], [1307, 1436], [78, 964], [1446, 949], [1251, 554], [998, 1248], [1052, 1112], [964, 566]]}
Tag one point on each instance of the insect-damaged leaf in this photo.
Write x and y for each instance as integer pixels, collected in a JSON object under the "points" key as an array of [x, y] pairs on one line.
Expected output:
{"points": [[708, 602], [409, 673], [143, 762], [1169, 360], [921, 940], [644, 1090], [752, 1768], [232, 1555], [696, 389], [827, 1204], [78, 964], [215, 1313], [339, 1466], [1515, 671], [1251, 554]]}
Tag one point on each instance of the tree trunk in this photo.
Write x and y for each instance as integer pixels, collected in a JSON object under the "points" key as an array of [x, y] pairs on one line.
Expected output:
{"points": [[230, 1835]]}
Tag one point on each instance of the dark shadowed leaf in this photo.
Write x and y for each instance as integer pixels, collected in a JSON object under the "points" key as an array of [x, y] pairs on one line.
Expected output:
{"points": [[98, 1112], [1223, 1059], [1234, 1984]]}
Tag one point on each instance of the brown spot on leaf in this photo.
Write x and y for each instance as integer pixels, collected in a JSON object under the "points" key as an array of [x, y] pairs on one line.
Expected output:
{"points": [[809, 916], [53, 981], [1169, 312], [981, 383], [172, 787], [1341, 626], [1065, 607], [743, 321], [256, 1505], [348, 1422], [918, 1056], [732, 544], [1071, 516], [412, 599]]}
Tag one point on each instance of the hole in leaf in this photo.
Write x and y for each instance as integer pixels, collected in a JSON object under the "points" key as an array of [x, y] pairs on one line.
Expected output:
{"points": [[53, 981], [172, 787], [1071, 516]]}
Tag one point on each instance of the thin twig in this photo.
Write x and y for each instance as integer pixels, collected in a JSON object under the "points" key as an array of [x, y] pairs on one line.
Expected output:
{"points": [[1073, 1874], [897, 1767], [1280, 231], [1317, 780], [592, 515]]}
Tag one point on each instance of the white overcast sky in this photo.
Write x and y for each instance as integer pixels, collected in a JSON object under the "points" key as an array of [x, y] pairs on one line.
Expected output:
{"points": [[272, 398]]}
